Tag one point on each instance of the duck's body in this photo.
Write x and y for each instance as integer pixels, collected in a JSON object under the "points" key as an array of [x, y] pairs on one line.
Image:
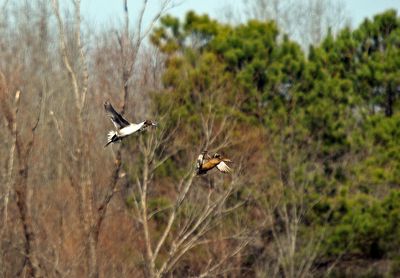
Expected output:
{"points": [[114, 136], [205, 163], [130, 129], [123, 127]]}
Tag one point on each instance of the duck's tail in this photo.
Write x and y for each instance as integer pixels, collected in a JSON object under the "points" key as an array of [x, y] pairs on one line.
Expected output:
{"points": [[111, 137]]}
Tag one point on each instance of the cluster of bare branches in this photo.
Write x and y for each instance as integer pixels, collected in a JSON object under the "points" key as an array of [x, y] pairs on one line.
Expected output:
{"points": [[305, 21], [16, 182], [93, 213], [179, 235], [62, 197]]}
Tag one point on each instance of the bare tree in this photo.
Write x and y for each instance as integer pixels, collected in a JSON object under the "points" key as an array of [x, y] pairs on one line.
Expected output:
{"points": [[185, 227], [306, 21], [285, 207], [23, 191], [93, 213], [296, 252], [22, 70], [129, 47], [180, 233], [77, 153]]}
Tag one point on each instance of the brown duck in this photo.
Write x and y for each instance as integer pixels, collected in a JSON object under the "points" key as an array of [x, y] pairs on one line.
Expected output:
{"points": [[205, 163]]}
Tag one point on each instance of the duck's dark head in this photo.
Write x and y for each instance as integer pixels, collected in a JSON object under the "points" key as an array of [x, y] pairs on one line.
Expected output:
{"points": [[221, 158], [216, 155], [149, 123], [204, 152]]}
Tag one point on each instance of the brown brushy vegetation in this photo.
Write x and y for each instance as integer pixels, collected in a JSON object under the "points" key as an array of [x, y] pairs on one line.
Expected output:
{"points": [[313, 139]]}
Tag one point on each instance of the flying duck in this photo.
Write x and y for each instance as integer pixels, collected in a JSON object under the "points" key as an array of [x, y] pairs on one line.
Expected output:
{"points": [[206, 163], [123, 127]]}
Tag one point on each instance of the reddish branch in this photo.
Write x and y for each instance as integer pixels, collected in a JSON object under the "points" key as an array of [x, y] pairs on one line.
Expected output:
{"points": [[21, 189]]}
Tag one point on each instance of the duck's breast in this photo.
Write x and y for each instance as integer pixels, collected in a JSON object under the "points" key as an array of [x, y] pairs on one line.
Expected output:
{"points": [[210, 164]]}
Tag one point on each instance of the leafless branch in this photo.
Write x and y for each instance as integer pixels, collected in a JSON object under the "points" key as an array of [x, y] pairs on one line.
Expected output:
{"points": [[22, 192], [64, 53], [10, 167], [208, 272]]}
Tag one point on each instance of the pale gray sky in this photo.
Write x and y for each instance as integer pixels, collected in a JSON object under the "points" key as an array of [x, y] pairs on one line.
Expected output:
{"points": [[102, 12]]}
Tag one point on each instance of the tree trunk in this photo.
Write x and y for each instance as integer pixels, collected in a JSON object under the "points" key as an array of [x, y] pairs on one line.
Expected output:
{"points": [[389, 101], [22, 195]]}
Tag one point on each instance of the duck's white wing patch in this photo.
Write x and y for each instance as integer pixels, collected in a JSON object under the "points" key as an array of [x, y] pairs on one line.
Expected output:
{"points": [[199, 162], [223, 167]]}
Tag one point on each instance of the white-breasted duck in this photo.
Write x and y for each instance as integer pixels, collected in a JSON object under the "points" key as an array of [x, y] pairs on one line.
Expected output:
{"points": [[123, 127], [205, 163]]}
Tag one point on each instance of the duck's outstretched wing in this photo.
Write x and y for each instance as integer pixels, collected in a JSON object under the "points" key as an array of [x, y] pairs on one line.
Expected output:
{"points": [[223, 167], [116, 118]]}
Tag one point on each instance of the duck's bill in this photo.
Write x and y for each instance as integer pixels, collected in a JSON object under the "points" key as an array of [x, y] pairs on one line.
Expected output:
{"points": [[154, 124]]}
